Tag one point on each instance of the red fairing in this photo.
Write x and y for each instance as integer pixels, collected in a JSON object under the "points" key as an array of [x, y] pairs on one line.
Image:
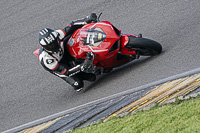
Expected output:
{"points": [[124, 40], [103, 39], [36, 52], [76, 44]]}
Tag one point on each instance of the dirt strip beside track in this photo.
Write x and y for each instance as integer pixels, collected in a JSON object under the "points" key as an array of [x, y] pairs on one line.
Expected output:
{"points": [[161, 93], [187, 90]]}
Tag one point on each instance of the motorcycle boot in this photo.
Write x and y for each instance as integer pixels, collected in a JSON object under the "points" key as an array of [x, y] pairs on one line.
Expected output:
{"points": [[75, 81], [78, 83]]}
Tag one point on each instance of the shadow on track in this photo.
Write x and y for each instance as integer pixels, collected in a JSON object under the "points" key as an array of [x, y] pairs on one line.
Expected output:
{"points": [[117, 71]]}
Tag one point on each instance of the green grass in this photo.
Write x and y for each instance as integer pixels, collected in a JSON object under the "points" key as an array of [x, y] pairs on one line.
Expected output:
{"points": [[183, 118]]}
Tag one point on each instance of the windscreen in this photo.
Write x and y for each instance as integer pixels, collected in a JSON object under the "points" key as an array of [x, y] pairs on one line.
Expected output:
{"points": [[92, 37]]}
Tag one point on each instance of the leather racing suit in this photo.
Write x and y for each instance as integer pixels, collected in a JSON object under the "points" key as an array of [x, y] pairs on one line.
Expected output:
{"points": [[62, 63]]}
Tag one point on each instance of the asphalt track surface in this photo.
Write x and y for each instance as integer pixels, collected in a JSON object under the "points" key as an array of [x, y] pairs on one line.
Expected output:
{"points": [[28, 92]]}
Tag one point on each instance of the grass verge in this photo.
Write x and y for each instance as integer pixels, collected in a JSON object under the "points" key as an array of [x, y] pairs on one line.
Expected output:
{"points": [[178, 117]]}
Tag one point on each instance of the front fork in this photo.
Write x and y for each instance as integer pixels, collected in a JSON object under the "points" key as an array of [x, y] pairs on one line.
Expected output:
{"points": [[95, 70]]}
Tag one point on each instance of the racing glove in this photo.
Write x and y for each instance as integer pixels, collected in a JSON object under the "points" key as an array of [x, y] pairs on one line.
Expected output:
{"points": [[87, 66], [88, 63], [91, 18], [74, 25]]}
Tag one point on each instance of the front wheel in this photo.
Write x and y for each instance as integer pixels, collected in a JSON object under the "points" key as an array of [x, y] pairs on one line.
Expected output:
{"points": [[144, 46]]}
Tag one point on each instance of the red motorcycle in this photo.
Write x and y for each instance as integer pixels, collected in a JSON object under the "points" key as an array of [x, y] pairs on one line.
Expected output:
{"points": [[108, 46]]}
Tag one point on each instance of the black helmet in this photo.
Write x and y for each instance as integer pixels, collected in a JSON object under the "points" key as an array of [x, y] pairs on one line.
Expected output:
{"points": [[48, 39]]}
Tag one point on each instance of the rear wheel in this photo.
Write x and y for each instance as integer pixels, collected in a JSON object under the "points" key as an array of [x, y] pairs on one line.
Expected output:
{"points": [[144, 46]]}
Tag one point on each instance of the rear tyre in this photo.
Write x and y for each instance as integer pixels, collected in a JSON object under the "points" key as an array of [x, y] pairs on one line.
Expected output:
{"points": [[144, 46]]}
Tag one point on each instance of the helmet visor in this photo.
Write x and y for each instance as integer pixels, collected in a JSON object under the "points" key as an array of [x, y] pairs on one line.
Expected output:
{"points": [[53, 46]]}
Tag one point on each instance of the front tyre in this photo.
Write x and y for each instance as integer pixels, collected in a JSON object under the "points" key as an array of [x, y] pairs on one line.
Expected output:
{"points": [[144, 46]]}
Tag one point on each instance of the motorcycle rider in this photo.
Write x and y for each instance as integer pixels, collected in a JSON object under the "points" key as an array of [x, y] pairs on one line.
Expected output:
{"points": [[55, 58]]}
